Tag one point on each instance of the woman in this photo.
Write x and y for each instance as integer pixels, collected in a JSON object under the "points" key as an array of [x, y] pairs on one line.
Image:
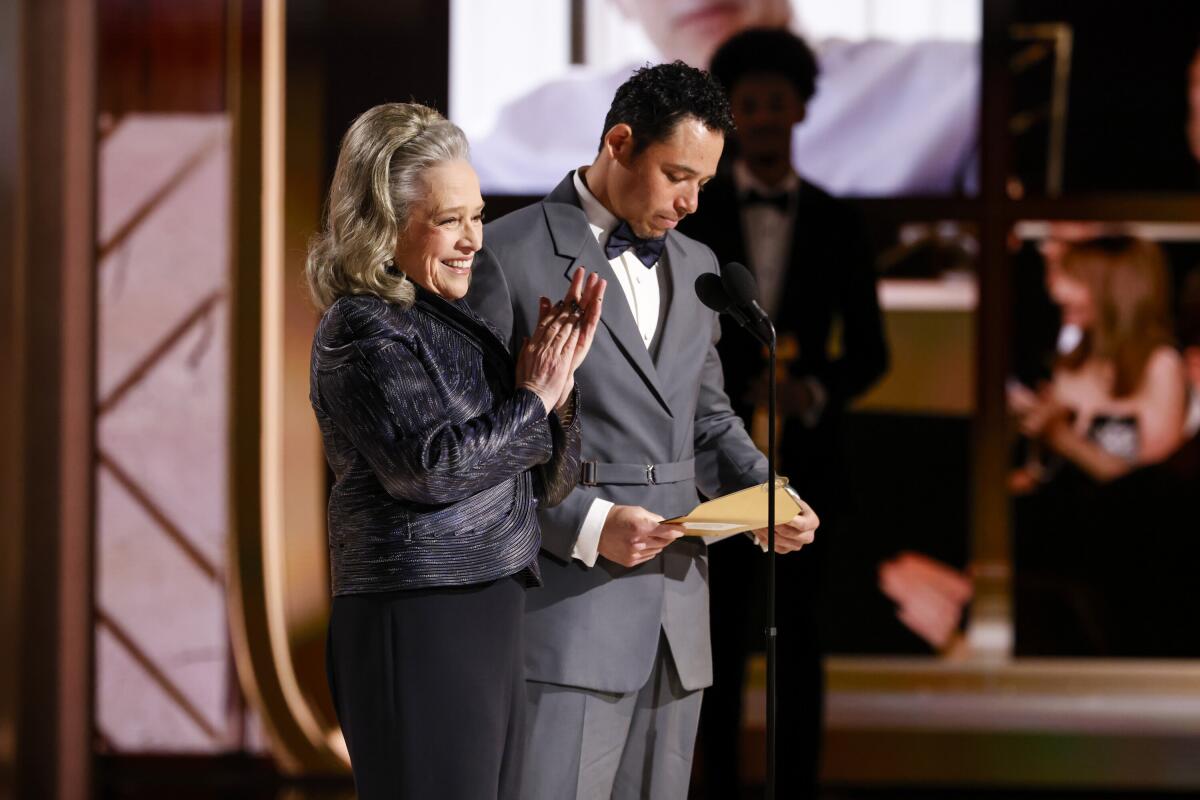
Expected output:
{"points": [[1118, 399], [1115, 402], [441, 448]]}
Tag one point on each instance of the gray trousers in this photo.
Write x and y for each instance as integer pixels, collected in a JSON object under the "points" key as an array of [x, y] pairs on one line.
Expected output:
{"points": [[597, 745]]}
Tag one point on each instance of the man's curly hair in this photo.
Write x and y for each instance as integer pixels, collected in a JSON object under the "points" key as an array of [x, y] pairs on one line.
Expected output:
{"points": [[656, 98]]}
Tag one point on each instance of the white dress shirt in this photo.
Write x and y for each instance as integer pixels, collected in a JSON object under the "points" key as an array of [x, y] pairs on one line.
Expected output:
{"points": [[640, 286], [767, 231]]}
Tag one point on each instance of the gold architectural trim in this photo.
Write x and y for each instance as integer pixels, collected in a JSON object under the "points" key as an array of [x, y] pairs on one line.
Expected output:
{"points": [[47, 431], [1059, 37], [266, 664]]}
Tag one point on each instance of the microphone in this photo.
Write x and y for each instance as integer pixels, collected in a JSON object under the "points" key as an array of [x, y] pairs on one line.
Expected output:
{"points": [[712, 293], [742, 291]]}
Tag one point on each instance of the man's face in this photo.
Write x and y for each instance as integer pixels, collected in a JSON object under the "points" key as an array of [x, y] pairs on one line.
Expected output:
{"points": [[692, 30], [659, 186], [765, 109]]}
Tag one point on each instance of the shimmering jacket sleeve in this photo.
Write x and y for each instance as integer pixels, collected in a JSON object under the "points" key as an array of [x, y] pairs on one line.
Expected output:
{"points": [[555, 479], [399, 411]]}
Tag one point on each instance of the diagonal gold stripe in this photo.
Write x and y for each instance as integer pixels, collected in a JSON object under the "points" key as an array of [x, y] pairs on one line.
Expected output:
{"points": [[174, 532], [144, 366], [169, 186], [155, 672]]}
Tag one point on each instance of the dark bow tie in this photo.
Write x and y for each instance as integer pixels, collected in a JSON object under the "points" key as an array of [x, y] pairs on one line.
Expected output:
{"points": [[754, 198], [648, 251]]}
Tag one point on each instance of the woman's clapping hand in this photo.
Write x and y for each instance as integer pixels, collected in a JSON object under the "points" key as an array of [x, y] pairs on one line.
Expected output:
{"points": [[547, 362], [587, 292]]}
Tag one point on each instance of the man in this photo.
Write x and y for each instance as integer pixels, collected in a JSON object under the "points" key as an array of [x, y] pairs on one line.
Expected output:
{"points": [[815, 270], [617, 638], [893, 118]]}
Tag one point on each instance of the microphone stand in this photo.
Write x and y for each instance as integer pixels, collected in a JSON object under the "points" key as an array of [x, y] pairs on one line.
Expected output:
{"points": [[714, 293], [770, 631]]}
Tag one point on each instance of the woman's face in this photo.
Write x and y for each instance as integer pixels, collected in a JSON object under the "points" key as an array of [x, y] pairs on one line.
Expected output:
{"points": [[445, 229], [1071, 295]]}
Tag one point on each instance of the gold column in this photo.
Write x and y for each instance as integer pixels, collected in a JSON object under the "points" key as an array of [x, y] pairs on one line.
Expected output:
{"points": [[278, 589], [47, 203]]}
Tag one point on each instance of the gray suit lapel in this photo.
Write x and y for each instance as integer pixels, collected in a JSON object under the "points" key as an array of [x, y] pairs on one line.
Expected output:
{"points": [[679, 321], [573, 240]]}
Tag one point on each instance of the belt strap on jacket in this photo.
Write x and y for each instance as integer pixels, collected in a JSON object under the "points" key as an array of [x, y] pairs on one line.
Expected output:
{"points": [[595, 473]]}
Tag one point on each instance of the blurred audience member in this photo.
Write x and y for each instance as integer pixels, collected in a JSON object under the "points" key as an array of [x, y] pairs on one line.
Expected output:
{"points": [[1111, 415], [1140, 601], [1117, 399], [930, 596], [1189, 335]]}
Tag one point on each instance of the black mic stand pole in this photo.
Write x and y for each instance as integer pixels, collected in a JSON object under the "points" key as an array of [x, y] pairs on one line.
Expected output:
{"points": [[770, 629], [713, 292]]}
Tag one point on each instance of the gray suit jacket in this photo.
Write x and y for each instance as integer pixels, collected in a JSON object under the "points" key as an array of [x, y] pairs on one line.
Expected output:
{"points": [[598, 628]]}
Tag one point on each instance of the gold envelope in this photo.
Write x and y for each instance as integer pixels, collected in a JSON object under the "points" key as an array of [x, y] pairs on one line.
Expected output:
{"points": [[740, 511]]}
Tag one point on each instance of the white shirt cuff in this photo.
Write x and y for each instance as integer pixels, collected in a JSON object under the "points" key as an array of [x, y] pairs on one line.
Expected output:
{"points": [[587, 544]]}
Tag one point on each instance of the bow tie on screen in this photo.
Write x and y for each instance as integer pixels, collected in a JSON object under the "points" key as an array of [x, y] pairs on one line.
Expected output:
{"points": [[779, 201], [648, 251]]}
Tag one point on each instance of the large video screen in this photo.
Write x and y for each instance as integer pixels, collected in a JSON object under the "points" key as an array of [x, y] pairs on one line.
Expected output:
{"points": [[895, 112]]}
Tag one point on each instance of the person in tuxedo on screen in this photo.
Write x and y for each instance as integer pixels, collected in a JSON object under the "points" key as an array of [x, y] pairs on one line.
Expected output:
{"points": [[617, 640], [815, 272]]}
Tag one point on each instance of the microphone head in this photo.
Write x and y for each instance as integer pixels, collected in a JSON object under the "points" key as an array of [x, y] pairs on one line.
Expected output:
{"points": [[711, 292], [739, 284]]}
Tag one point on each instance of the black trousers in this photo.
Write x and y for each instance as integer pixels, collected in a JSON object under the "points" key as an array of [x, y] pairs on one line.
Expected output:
{"points": [[737, 588], [429, 688]]}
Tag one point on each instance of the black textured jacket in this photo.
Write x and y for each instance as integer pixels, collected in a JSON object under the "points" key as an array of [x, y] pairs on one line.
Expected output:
{"points": [[439, 461]]}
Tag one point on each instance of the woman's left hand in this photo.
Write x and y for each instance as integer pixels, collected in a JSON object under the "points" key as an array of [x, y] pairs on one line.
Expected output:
{"points": [[587, 293]]}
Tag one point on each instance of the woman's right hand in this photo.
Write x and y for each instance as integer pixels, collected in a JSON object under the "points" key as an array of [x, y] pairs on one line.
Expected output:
{"points": [[544, 365]]}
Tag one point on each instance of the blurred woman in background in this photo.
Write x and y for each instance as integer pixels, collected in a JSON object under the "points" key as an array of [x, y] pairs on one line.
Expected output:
{"points": [[1118, 399], [1114, 407]]}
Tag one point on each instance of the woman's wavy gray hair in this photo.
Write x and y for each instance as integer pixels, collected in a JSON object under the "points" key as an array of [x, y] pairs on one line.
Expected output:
{"points": [[376, 183]]}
